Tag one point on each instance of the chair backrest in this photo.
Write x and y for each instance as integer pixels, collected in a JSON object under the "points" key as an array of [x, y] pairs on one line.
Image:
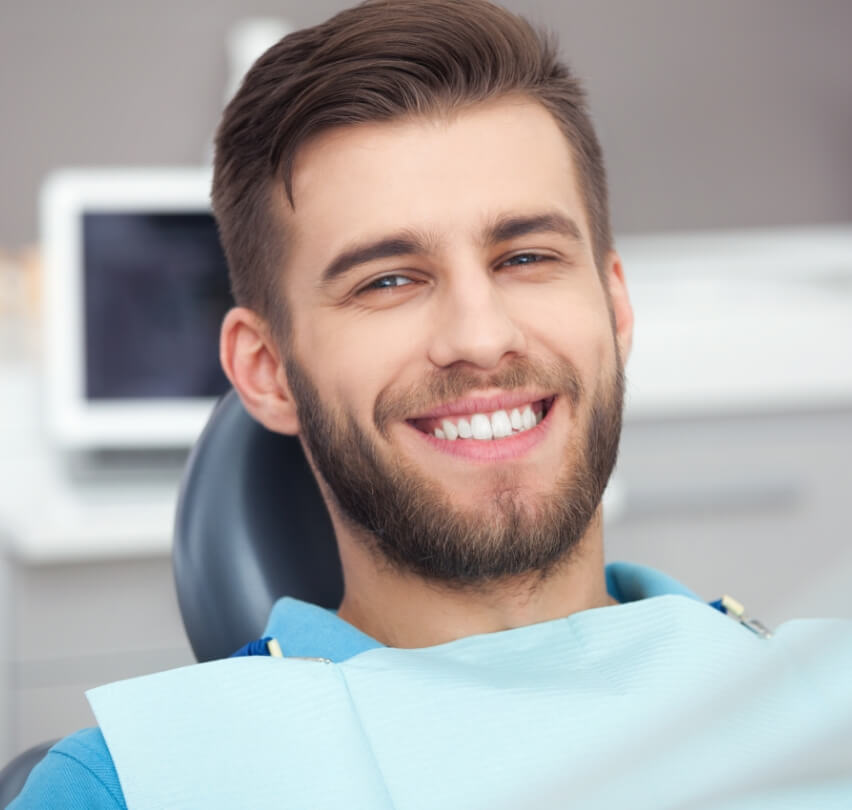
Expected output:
{"points": [[251, 526]]}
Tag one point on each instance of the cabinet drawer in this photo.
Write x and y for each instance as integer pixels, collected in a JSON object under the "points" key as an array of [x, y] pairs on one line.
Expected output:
{"points": [[74, 610], [756, 507]]}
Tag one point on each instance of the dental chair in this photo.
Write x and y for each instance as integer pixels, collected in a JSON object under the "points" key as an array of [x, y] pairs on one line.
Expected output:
{"points": [[251, 526]]}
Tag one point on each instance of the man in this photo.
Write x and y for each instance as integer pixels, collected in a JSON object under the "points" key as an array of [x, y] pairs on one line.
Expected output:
{"points": [[413, 204]]}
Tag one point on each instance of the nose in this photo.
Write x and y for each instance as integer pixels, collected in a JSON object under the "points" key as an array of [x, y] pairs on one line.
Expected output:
{"points": [[474, 324]]}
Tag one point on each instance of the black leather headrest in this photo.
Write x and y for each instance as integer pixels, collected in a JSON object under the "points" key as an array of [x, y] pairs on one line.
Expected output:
{"points": [[251, 526]]}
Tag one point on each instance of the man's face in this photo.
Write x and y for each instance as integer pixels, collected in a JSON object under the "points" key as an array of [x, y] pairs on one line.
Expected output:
{"points": [[452, 353]]}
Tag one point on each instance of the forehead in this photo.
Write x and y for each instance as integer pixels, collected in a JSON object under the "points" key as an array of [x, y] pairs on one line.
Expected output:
{"points": [[445, 176]]}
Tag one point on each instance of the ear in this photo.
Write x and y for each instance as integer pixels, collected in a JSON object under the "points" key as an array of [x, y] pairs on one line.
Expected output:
{"points": [[622, 311], [252, 362]]}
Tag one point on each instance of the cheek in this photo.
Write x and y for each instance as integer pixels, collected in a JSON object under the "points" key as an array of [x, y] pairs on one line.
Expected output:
{"points": [[353, 361], [574, 325]]}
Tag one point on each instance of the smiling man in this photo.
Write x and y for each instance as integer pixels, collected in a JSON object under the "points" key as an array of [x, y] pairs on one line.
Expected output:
{"points": [[413, 204], [452, 361]]}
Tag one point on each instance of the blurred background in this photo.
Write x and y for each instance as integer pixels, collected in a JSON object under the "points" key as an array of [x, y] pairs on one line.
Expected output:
{"points": [[727, 129]]}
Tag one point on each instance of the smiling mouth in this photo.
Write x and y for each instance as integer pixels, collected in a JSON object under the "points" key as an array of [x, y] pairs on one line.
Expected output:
{"points": [[490, 426]]}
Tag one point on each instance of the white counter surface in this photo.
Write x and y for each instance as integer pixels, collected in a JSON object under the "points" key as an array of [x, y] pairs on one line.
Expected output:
{"points": [[740, 322], [48, 515]]}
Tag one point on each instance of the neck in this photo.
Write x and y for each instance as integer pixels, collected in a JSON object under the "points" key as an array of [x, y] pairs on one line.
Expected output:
{"points": [[402, 610]]}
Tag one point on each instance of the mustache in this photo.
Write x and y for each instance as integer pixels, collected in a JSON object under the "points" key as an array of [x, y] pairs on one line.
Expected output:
{"points": [[558, 377]]}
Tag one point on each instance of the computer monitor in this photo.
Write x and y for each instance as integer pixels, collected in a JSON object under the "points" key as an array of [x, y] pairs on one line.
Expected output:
{"points": [[135, 290]]}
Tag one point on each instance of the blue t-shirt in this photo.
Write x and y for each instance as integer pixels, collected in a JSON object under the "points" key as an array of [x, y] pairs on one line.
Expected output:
{"points": [[78, 772]]}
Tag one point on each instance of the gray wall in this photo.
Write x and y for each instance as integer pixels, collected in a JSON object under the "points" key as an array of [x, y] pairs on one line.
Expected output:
{"points": [[713, 114]]}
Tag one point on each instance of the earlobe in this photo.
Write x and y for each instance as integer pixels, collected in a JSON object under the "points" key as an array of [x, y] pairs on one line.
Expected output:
{"points": [[622, 310], [252, 362]]}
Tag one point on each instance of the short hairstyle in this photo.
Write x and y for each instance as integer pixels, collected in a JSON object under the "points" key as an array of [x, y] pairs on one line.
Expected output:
{"points": [[378, 61]]}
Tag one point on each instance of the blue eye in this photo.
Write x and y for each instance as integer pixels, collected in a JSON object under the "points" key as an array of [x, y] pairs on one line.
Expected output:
{"points": [[524, 258], [387, 282]]}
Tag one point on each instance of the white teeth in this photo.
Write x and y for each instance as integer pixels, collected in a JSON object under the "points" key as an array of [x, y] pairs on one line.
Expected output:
{"points": [[450, 429], [497, 425], [480, 426], [500, 425]]}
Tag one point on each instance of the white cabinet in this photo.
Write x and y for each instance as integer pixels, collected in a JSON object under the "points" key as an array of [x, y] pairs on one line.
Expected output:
{"points": [[757, 507], [76, 625]]}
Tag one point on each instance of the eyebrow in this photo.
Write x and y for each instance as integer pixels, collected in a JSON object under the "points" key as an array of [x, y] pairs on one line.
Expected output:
{"points": [[510, 227], [412, 243], [405, 243]]}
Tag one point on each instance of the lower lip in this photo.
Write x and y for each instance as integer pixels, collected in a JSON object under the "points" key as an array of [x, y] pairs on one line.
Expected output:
{"points": [[510, 447]]}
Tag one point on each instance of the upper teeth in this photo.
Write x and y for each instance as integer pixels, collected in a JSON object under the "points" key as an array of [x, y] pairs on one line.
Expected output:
{"points": [[496, 425]]}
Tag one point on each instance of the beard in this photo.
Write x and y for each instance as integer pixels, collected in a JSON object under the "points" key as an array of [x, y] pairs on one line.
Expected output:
{"points": [[409, 521]]}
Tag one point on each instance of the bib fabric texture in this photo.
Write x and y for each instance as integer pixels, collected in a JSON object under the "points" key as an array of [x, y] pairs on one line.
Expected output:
{"points": [[659, 703]]}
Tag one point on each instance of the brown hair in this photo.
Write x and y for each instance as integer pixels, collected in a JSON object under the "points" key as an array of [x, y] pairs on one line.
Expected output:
{"points": [[381, 60]]}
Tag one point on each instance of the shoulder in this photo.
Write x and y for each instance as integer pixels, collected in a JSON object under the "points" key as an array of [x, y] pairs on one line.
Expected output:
{"points": [[77, 772]]}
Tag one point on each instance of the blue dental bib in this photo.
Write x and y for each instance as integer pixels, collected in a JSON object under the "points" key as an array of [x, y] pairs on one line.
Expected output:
{"points": [[658, 703]]}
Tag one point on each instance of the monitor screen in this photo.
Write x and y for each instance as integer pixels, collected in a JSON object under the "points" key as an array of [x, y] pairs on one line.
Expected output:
{"points": [[155, 290], [135, 289]]}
